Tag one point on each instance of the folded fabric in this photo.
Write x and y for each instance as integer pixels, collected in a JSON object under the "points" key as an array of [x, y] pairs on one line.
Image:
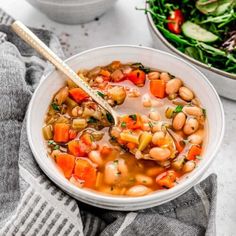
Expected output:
{"points": [[32, 205]]}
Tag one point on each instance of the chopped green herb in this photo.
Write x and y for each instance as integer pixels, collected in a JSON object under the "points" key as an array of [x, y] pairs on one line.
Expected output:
{"points": [[56, 147], [109, 117], [123, 124], [150, 124], [144, 181], [92, 120], [204, 112], [51, 142], [55, 106], [133, 117], [178, 109], [100, 94], [140, 66], [118, 173]]}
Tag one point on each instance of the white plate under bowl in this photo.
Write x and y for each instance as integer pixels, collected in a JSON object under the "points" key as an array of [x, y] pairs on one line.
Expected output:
{"points": [[192, 77]]}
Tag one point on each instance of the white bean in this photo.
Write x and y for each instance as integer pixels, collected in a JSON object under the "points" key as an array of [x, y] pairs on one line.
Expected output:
{"points": [[191, 126], [157, 137], [95, 157], [154, 115], [179, 121], [153, 75], [193, 111], [122, 167], [186, 94], [111, 173], [146, 100], [143, 179], [165, 76], [173, 86], [197, 137], [159, 154], [138, 190], [189, 166]]}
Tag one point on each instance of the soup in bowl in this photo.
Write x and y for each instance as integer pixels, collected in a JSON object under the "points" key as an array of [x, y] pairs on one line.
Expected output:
{"points": [[165, 139]]}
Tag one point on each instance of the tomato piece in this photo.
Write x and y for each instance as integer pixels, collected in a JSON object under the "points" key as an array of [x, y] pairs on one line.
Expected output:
{"points": [[78, 95], [175, 20], [167, 179], [61, 132], [158, 88], [66, 162], [193, 152], [78, 148], [138, 77], [72, 134], [85, 171]]}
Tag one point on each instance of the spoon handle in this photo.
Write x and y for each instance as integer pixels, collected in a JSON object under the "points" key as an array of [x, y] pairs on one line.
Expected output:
{"points": [[29, 37]]}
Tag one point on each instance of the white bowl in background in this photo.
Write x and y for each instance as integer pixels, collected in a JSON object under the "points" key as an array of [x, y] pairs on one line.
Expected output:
{"points": [[192, 77], [73, 11]]}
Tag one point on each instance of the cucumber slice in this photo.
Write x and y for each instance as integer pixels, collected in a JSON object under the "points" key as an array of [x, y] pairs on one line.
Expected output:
{"points": [[196, 32]]}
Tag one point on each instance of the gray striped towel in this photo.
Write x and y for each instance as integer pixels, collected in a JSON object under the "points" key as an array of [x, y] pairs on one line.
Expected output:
{"points": [[30, 204]]}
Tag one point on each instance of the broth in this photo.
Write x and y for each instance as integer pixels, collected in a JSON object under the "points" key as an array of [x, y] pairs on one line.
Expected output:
{"points": [[159, 137]]}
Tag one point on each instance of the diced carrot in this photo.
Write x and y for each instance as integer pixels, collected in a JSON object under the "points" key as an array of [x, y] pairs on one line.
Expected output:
{"points": [[78, 94], [105, 151], [87, 139], [157, 88], [132, 121], [193, 152], [138, 77], [84, 170], [167, 179], [131, 146], [105, 73], [66, 162], [72, 134], [61, 132], [77, 148]]}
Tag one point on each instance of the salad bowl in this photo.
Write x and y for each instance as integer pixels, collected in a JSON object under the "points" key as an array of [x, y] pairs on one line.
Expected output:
{"points": [[224, 82], [126, 53]]}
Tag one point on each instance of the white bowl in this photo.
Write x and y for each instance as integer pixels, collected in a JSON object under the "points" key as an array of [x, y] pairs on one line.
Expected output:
{"points": [[73, 11], [192, 77]]}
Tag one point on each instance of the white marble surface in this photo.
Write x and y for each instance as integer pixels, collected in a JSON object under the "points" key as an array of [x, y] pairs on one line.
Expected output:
{"points": [[124, 25]]}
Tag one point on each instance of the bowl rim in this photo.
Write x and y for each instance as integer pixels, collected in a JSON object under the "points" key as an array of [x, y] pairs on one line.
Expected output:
{"points": [[63, 4], [110, 200], [171, 47]]}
